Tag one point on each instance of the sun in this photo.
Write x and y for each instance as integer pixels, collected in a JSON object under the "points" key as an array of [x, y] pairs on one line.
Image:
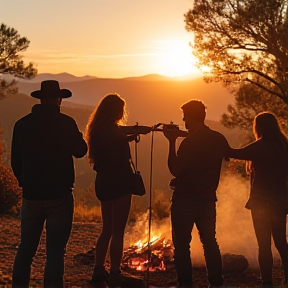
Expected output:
{"points": [[176, 59]]}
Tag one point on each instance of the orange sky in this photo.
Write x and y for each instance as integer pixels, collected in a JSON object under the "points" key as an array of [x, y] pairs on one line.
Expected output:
{"points": [[104, 38]]}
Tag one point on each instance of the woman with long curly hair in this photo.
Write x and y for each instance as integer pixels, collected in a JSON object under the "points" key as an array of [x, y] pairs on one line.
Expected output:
{"points": [[109, 153], [268, 158]]}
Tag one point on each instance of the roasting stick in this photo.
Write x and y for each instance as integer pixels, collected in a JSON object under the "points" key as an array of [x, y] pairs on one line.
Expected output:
{"points": [[150, 207], [155, 128]]}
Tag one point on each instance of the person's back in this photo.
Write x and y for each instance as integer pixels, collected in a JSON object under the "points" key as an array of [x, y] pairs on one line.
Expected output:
{"points": [[43, 144], [48, 141], [268, 201], [202, 153]]}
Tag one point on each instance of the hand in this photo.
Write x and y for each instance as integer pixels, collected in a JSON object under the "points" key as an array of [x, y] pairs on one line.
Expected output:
{"points": [[170, 134]]}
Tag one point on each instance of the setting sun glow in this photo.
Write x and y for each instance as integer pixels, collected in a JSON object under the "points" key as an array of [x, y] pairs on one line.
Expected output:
{"points": [[176, 58]]}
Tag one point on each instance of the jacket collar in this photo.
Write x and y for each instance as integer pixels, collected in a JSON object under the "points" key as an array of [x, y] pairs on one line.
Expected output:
{"points": [[45, 108]]}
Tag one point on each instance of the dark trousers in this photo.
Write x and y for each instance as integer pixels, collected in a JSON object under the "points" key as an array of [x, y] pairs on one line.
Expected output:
{"points": [[57, 215], [269, 222], [184, 214]]}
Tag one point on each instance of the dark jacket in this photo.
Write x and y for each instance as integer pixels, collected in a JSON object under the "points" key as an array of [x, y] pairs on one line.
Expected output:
{"points": [[112, 156], [43, 144], [269, 175], [199, 160]]}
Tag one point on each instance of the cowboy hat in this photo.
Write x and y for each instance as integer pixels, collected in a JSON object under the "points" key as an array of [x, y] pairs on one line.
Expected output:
{"points": [[51, 89]]}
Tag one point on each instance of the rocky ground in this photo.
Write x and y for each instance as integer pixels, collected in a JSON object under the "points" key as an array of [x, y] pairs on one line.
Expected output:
{"points": [[83, 238]]}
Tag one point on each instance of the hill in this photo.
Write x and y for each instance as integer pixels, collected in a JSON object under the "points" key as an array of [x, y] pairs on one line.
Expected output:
{"points": [[61, 77], [151, 101], [16, 106]]}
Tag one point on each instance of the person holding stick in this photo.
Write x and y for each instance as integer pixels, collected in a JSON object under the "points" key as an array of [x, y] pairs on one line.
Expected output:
{"points": [[109, 153], [196, 166]]}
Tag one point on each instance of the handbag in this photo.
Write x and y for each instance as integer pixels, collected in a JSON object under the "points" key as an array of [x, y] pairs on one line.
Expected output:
{"points": [[138, 187]]}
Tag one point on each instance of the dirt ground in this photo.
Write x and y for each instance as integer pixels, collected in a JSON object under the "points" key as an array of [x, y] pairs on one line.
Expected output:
{"points": [[83, 238]]}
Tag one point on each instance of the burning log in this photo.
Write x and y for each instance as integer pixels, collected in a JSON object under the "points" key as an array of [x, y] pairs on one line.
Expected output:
{"points": [[160, 253]]}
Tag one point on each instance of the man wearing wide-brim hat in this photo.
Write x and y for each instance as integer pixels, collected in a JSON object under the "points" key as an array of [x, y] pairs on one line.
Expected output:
{"points": [[43, 145]]}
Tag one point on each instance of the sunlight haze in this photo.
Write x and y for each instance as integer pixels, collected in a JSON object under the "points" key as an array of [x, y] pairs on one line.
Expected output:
{"points": [[104, 38]]}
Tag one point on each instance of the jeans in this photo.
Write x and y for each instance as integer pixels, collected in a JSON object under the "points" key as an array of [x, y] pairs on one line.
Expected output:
{"points": [[184, 214], [57, 215], [267, 222]]}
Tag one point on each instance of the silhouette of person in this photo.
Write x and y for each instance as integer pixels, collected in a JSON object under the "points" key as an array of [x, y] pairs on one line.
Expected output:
{"points": [[43, 144], [109, 153], [196, 166], [268, 166]]}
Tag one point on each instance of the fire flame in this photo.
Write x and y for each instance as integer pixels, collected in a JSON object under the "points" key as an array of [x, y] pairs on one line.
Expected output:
{"points": [[159, 251]]}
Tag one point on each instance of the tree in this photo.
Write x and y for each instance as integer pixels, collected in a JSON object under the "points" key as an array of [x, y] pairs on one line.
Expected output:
{"points": [[11, 44], [243, 41], [247, 105]]}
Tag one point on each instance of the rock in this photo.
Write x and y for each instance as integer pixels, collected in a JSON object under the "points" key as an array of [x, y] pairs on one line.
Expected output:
{"points": [[86, 258], [233, 263]]}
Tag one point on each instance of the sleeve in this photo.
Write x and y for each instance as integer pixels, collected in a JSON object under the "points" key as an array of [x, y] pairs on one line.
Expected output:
{"points": [[249, 152], [16, 158], [78, 144]]}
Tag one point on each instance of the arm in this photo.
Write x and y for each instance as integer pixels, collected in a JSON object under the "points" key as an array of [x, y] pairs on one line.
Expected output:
{"points": [[128, 130], [249, 152], [173, 163], [172, 159], [16, 159], [78, 144]]}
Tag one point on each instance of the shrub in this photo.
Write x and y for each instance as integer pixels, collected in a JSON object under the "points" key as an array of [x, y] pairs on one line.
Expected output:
{"points": [[10, 192]]}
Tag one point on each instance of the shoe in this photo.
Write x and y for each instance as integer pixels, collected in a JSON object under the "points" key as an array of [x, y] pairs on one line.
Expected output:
{"points": [[100, 274]]}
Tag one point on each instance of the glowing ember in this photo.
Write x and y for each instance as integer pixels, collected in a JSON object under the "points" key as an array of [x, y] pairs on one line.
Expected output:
{"points": [[136, 257]]}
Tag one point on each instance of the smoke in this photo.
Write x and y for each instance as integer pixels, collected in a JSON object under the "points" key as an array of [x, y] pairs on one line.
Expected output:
{"points": [[234, 228]]}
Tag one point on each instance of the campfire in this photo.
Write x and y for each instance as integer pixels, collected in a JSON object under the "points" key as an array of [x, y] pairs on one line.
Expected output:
{"points": [[159, 252]]}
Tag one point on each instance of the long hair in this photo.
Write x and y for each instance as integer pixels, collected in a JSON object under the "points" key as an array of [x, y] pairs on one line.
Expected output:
{"points": [[266, 126], [110, 109]]}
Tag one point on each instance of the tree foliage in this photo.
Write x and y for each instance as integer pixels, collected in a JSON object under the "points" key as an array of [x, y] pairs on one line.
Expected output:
{"points": [[243, 41], [11, 45], [247, 105]]}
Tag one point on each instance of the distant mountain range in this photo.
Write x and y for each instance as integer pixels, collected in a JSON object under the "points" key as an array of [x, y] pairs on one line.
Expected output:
{"points": [[151, 98], [61, 77], [66, 77]]}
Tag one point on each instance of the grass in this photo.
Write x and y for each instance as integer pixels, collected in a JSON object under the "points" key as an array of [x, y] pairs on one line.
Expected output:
{"points": [[82, 213]]}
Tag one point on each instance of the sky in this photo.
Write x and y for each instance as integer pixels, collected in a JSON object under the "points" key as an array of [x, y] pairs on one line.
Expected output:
{"points": [[104, 38]]}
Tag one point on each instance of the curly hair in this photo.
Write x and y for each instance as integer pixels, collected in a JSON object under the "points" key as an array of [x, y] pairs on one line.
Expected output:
{"points": [[110, 109]]}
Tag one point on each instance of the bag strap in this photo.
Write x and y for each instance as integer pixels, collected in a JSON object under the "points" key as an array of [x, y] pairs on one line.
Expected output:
{"points": [[137, 140]]}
